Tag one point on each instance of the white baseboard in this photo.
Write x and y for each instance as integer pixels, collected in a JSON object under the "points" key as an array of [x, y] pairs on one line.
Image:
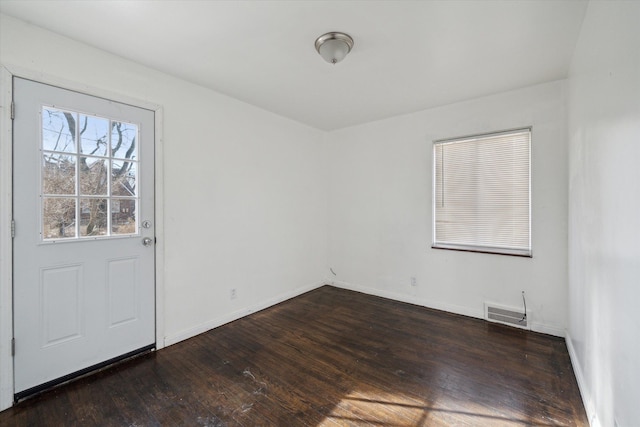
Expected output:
{"points": [[219, 321], [554, 330], [451, 308], [437, 305], [585, 393]]}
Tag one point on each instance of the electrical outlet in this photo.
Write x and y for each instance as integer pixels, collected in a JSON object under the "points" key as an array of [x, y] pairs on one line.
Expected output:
{"points": [[233, 293], [414, 281]]}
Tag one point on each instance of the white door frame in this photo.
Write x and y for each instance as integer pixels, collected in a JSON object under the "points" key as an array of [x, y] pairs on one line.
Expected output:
{"points": [[7, 73]]}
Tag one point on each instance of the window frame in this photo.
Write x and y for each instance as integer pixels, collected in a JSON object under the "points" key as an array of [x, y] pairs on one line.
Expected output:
{"points": [[497, 250], [78, 196]]}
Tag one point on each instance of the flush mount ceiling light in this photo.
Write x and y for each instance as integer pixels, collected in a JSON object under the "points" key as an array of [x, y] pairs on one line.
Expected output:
{"points": [[334, 46]]}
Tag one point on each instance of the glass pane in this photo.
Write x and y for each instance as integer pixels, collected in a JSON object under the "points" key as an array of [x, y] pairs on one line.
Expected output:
{"points": [[93, 217], [94, 133], [58, 173], [123, 181], [93, 176], [58, 218], [95, 160], [123, 140], [58, 130], [123, 216]]}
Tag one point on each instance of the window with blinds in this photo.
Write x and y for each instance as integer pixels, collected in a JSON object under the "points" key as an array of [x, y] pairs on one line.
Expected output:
{"points": [[482, 193]]}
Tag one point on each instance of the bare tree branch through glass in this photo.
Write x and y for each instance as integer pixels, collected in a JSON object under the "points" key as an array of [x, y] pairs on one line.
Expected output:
{"points": [[89, 175]]}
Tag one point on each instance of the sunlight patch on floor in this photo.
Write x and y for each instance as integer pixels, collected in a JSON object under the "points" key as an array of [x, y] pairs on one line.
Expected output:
{"points": [[379, 408]]}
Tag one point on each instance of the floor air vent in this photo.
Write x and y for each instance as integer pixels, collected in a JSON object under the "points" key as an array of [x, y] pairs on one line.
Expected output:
{"points": [[506, 315]]}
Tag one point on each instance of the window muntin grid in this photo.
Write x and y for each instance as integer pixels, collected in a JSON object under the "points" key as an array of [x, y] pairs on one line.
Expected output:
{"points": [[89, 175]]}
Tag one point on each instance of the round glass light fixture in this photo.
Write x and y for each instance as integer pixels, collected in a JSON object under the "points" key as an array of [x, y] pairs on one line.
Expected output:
{"points": [[334, 46]]}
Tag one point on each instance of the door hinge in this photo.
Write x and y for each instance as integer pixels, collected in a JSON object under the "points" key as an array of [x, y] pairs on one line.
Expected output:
{"points": [[13, 346], [13, 110], [13, 229]]}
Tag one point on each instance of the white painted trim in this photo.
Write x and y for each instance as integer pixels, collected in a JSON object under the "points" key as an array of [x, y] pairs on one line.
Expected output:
{"points": [[52, 80], [451, 308], [7, 72], [587, 401], [437, 305], [159, 226], [543, 328], [214, 323], [6, 244]]}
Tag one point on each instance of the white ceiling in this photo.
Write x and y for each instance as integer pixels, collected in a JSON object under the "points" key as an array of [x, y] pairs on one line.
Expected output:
{"points": [[408, 55]]}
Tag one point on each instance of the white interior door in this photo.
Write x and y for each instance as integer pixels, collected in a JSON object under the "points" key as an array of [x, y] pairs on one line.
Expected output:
{"points": [[84, 286]]}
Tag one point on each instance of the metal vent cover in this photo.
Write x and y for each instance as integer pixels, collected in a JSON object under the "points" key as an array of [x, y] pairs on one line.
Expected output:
{"points": [[506, 315]]}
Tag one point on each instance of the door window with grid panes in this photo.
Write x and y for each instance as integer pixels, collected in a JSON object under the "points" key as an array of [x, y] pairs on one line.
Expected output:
{"points": [[89, 174]]}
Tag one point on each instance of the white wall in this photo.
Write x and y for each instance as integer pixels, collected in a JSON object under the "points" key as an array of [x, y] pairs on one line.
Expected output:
{"points": [[246, 197], [604, 212], [380, 221], [244, 189]]}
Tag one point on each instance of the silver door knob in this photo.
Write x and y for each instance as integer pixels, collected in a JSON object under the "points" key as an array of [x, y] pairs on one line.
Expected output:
{"points": [[147, 241]]}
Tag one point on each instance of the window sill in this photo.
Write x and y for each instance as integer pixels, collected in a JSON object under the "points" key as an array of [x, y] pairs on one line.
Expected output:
{"points": [[523, 253]]}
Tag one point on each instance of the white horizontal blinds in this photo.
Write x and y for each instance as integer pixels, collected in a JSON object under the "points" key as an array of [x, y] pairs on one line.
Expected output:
{"points": [[481, 193]]}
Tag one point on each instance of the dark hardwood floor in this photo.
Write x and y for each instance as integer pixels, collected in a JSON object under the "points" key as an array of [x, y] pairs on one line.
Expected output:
{"points": [[330, 357]]}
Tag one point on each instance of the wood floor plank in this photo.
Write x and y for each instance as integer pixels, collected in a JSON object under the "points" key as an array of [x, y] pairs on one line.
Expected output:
{"points": [[330, 357]]}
